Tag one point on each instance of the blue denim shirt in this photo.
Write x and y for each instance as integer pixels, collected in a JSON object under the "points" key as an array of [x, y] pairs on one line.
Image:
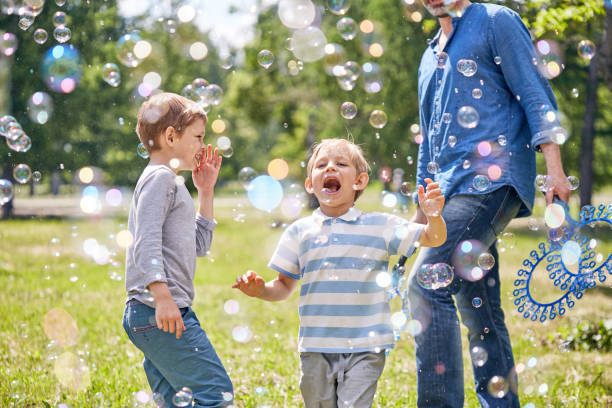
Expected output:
{"points": [[516, 103]]}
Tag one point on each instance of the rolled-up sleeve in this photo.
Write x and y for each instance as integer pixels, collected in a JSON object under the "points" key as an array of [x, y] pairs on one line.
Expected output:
{"points": [[204, 234], [510, 40]]}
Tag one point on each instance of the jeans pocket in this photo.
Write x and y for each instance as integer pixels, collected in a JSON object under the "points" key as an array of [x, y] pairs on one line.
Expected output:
{"points": [[144, 329]]}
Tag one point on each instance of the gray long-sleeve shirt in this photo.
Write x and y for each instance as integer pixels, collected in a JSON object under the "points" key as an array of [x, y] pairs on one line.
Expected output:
{"points": [[167, 237]]}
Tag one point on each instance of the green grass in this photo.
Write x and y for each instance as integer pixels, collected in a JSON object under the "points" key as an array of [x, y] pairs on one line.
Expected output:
{"points": [[37, 276]]}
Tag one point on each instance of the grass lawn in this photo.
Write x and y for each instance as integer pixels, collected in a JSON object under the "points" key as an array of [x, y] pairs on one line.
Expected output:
{"points": [[43, 266]]}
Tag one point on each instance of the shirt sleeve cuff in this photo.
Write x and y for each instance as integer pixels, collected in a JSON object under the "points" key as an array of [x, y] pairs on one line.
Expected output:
{"points": [[556, 135], [205, 223], [154, 276]]}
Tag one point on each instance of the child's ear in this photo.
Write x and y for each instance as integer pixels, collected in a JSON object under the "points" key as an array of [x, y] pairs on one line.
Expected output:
{"points": [[308, 185], [362, 181], [170, 135]]}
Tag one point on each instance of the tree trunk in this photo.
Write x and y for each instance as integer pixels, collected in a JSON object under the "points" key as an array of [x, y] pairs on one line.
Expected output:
{"points": [[588, 134], [605, 62]]}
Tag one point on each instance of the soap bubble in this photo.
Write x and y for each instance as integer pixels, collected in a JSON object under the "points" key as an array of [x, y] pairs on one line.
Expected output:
{"points": [[481, 182], [23, 143], [532, 223], [542, 183], [338, 7], [62, 34], [378, 119], [296, 14], [497, 60], [506, 241], [40, 107], [468, 117], [433, 167], [467, 67], [444, 274], [575, 92], [426, 276], [502, 140], [466, 164], [231, 307], [497, 387], [573, 182], [265, 193], [586, 49], [431, 208], [347, 27], [479, 355], [59, 19], [8, 44], [111, 74], [26, 21], [5, 123], [183, 397], [22, 173], [309, 44], [570, 253], [476, 93], [278, 169], [265, 58], [476, 302], [465, 260], [372, 77], [348, 110], [40, 36], [36, 176], [452, 141], [142, 151], [442, 59], [61, 68], [486, 261], [6, 191], [334, 59], [242, 334], [124, 49], [211, 94], [405, 189], [383, 279], [246, 175], [224, 142], [554, 215]]}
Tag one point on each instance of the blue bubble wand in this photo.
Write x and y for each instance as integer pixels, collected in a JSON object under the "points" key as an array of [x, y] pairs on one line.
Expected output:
{"points": [[550, 253]]}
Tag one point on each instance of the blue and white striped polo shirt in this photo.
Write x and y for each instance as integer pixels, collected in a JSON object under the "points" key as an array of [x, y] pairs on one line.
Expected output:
{"points": [[342, 309]]}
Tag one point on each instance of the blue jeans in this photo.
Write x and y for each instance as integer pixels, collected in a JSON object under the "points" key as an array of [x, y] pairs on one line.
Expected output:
{"points": [[438, 347], [171, 364]]}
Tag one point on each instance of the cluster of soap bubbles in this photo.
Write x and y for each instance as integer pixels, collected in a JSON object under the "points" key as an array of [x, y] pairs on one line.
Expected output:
{"points": [[435, 276], [15, 136], [543, 182], [204, 93]]}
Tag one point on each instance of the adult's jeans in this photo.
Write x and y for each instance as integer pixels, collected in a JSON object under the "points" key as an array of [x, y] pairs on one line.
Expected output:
{"points": [[171, 364], [439, 360]]}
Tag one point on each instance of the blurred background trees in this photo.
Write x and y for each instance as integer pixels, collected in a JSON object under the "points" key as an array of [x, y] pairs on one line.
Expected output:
{"points": [[280, 111]]}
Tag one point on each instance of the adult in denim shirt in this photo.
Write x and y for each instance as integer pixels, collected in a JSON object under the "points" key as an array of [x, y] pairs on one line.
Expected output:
{"points": [[517, 118]]}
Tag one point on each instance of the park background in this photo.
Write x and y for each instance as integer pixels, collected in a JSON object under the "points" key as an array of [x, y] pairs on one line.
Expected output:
{"points": [[65, 251]]}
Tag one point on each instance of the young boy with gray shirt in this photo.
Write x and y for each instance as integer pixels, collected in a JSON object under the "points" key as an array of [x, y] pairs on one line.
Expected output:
{"points": [[160, 264]]}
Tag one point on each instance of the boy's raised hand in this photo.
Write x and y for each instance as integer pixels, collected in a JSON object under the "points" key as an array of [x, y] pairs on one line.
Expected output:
{"points": [[250, 284], [431, 199], [206, 172]]}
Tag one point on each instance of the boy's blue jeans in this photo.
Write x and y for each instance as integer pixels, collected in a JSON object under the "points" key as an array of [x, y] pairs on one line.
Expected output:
{"points": [[171, 363], [438, 347]]}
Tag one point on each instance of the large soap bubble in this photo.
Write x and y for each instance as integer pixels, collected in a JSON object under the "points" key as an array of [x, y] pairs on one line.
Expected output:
{"points": [[296, 14], [265, 192], [61, 68], [125, 49], [309, 44]]}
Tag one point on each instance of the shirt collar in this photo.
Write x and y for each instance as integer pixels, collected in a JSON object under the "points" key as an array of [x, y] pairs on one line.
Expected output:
{"points": [[351, 215], [454, 22]]}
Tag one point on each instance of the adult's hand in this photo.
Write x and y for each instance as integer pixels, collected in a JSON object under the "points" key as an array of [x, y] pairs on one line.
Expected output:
{"points": [[557, 181]]}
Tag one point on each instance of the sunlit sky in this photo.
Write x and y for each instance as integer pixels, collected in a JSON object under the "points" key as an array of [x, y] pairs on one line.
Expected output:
{"points": [[225, 29]]}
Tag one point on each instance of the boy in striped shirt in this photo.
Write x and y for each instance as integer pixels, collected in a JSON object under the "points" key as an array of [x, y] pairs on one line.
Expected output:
{"points": [[345, 324]]}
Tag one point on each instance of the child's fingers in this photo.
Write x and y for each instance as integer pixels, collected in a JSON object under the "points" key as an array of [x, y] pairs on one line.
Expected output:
{"points": [[434, 193], [209, 156], [428, 180], [421, 193], [179, 328]]}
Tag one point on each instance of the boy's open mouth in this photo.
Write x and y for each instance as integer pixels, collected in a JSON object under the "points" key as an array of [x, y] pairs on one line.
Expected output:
{"points": [[331, 185], [198, 158]]}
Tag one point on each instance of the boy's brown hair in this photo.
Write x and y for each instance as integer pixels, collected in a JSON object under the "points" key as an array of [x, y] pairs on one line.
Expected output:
{"points": [[162, 111], [355, 154]]}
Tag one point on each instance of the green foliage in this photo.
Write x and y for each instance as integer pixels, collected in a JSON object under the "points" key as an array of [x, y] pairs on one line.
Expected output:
{"points": [[587, 336]]}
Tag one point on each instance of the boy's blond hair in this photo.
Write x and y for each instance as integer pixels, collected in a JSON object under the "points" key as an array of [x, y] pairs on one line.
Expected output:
{"points": [[355, 154], [162, 111]]}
